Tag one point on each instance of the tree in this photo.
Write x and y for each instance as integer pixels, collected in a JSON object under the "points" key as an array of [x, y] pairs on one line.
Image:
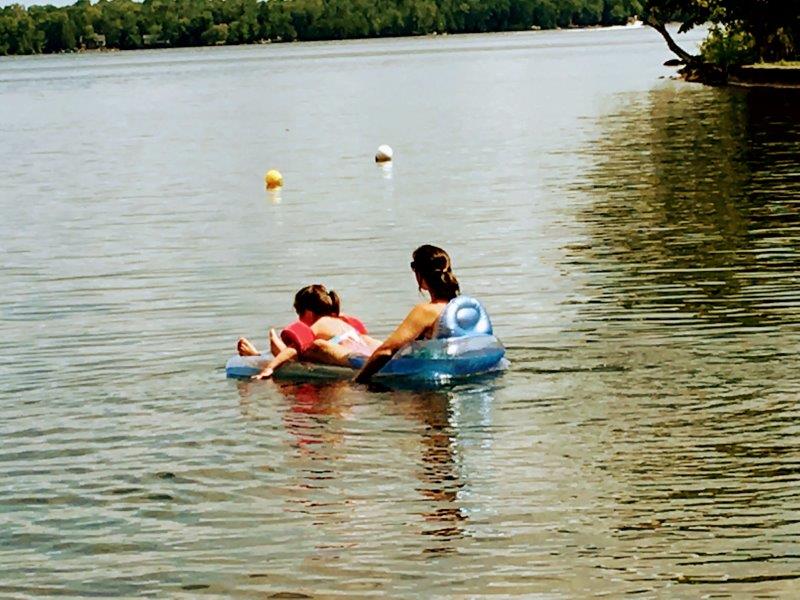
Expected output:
{"points": [[772, 25], [58, 29], [215, 34], [20, 33]]}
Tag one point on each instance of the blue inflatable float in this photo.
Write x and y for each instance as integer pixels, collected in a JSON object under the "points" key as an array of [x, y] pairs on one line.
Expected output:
{"points": [[463, 345]]}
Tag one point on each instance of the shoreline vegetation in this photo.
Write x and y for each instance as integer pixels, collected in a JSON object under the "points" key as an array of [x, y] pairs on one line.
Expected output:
{"points": [[131, 25], [750, 42]]}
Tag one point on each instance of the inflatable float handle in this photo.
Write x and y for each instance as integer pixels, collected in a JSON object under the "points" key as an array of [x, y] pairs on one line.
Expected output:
{"points": [[463, 316]]}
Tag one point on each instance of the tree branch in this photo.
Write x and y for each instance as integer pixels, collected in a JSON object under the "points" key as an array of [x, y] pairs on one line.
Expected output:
{"points": [[677, 50]]}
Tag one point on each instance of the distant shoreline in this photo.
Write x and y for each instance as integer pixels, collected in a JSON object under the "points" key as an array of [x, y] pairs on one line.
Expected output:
{"points": [[435, 34], [266, 42]]}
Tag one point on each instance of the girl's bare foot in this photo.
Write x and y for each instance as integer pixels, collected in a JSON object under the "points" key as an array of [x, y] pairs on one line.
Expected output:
{"points": [[275, 343], [245, 348]]}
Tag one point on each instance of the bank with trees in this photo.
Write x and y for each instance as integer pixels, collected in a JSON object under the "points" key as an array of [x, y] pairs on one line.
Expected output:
{"points": [[761, 33], [125, 24], [741, 32]]}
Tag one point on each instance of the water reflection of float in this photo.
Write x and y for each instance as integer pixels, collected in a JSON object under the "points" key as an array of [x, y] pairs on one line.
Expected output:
{"points": [[463, 346], [435, 445]]}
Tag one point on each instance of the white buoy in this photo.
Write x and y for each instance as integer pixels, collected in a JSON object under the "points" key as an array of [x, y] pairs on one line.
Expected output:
{"points": [[384, 154]]}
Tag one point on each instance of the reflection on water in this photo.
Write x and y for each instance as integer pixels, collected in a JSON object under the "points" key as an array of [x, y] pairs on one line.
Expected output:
{"points": [[314, 415], [334, 463], [697, 205], [690, 266], [386, 169]]}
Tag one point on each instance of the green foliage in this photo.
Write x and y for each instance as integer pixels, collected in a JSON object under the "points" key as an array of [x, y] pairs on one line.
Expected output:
{"points": [[728, 47], [618, 13], [742, 30], [127, 24], [58, 30], [215, 34], [689, 13], [18, 31]]}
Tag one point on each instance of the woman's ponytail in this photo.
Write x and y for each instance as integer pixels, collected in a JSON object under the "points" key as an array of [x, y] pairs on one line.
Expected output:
{"points": [[450, 284], [432, 264]]}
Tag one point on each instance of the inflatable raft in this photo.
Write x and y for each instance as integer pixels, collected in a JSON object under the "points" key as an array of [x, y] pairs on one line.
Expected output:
{"points": [[463, 345]]}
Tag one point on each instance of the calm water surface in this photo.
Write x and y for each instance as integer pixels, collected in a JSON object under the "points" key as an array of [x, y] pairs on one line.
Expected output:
{"points": [[636, 240]]}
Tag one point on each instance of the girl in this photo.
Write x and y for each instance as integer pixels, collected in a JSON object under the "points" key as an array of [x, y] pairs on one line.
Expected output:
{"points": [[321, 334], [434, 273]]}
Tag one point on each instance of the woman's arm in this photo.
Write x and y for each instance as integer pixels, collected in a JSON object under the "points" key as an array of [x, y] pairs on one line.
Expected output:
{"points": [[409, 330], [284, 356]]}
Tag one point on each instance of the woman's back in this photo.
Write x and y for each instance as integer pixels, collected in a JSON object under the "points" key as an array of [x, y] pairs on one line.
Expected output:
{"points": [[429, 314], [434, 274]]}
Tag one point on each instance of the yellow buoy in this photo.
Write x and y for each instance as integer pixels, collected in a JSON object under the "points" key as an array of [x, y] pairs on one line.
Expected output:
{"points": [[273, 179]]}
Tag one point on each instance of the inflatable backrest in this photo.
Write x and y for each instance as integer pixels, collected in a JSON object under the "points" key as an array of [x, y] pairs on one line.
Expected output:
{"points": [[355, 323], [298, 335], [462, 316]]}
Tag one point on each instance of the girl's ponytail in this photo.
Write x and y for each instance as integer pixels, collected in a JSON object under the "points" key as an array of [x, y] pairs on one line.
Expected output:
{"points": [[335, 303], [318, 300]]}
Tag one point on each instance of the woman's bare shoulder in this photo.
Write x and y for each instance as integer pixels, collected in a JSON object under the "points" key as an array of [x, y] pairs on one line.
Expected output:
{"points": [[427, 311]]}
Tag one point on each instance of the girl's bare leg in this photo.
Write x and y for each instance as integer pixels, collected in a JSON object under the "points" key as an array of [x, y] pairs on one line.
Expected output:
{"points": [[276, 344], [245, 348]]}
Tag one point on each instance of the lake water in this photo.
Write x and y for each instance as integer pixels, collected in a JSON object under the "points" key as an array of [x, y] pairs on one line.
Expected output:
{"points": [[636, 240]]}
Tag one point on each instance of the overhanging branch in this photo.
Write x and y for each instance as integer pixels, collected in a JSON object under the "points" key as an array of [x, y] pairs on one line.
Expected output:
{"points": [[677, 50]]}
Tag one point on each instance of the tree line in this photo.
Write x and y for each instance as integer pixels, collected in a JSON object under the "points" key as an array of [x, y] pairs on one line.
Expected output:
{"points": [[741, 31], [125, 24]]}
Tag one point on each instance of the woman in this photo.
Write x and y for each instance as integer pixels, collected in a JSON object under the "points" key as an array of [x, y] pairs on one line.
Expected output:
{"points": [[434, 273]]}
